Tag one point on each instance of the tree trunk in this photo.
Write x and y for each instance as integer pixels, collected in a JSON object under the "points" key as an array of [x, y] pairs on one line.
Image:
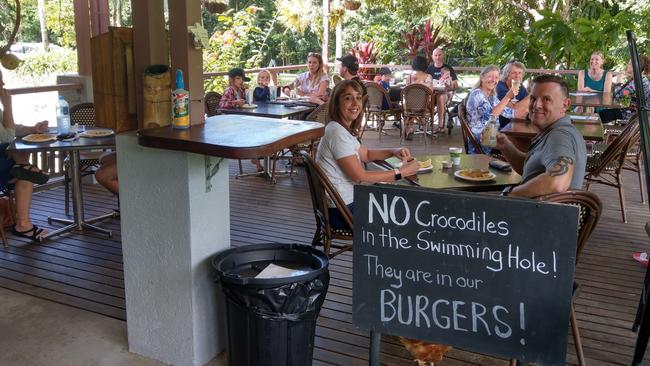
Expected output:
{"points": [[118, 13], [325, 51], [41, 17], [339, 33]]}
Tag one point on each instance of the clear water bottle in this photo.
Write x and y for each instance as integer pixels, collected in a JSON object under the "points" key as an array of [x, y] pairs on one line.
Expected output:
{"points": [[62, 116], [489, 136]]}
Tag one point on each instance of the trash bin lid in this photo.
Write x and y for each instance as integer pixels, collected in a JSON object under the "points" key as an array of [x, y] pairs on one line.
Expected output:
{"points": [[241, 265]]}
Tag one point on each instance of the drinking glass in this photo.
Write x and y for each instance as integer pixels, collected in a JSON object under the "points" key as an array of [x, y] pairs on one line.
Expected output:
{"points": [[292, 94], [249, 97], [516, 84], [272, 93]]}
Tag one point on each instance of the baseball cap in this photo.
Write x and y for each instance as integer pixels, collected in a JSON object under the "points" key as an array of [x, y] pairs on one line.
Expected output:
{"points": [[350, 61], [385, 71], [238, 71]]}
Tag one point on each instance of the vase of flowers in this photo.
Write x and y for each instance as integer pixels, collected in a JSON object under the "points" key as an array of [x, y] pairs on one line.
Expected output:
{"points": [[625, 99]]}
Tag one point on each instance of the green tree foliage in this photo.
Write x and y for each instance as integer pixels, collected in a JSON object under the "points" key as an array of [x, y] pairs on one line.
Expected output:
{"points": [[59, 16], [30, 30], [235, 43], [37, 64], [555, 37]]}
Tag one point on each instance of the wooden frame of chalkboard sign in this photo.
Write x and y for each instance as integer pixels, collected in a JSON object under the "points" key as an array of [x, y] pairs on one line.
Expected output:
{"points": [[483, 273]]}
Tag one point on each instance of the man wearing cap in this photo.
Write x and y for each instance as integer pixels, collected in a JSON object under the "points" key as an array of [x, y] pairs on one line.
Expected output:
{"points": [[349, 68], [235, 95], [435, 70]]}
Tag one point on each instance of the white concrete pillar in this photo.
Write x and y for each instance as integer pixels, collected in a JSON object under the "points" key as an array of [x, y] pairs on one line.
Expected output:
{"points": [[171, 227]]}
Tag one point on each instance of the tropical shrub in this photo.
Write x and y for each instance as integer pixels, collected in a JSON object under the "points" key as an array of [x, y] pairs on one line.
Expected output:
{"points": [[36, 65]]}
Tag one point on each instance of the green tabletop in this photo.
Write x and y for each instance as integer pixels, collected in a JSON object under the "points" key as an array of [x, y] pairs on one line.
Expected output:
{"points": [[443, 178]]}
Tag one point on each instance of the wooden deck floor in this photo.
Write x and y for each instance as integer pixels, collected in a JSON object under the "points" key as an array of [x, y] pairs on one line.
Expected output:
{"points": [[85, 271]]}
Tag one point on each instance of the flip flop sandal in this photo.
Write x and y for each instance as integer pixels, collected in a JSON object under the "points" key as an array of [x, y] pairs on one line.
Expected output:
{"points": [[32, 233], [641, 258], [24, 172]]}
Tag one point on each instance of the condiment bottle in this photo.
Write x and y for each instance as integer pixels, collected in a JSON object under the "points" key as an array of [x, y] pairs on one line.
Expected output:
{"points": [[180, 103]]}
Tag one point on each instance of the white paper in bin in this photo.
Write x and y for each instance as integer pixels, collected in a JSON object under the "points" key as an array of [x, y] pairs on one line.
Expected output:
{"points": [[275, 271]]}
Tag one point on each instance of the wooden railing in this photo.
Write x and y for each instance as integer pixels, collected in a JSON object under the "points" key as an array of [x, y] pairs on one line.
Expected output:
{"points": [[45, 88]]}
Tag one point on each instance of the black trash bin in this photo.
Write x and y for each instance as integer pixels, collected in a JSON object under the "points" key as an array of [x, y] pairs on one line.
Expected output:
{"points": [[272, 321]]}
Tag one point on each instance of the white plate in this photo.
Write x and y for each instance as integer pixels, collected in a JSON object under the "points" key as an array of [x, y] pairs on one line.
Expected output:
{"points": [[427, 169], [583, 118], [488, 177], [249, 106], [97, 133], [39, 137], [583, 94]]}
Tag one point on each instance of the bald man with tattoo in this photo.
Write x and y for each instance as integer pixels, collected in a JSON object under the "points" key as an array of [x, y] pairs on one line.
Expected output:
{"points": [[556, 158]]}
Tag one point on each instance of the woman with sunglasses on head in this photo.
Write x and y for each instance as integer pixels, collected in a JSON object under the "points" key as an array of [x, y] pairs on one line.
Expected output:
{"points": [[314, 82], [341, 155]]}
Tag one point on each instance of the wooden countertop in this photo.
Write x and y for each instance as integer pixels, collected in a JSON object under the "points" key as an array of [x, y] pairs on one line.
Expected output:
{"points": [[233, 136]]}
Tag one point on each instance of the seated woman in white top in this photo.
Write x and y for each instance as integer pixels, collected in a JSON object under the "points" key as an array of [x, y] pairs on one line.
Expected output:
{"points": [[314, 82], [341, 155]]}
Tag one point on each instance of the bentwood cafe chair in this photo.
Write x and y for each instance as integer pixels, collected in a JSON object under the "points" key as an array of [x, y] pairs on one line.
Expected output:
{"points": [[321, 189]]}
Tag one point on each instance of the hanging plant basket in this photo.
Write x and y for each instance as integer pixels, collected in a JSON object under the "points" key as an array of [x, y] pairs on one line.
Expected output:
{"points": [[352, 4], [215, 7]]}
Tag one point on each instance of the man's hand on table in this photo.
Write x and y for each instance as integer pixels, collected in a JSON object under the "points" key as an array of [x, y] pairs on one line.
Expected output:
{"points": [[41, 127]]}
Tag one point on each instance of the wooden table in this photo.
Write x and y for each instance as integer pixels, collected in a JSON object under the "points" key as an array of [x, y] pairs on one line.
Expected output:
{"points": [[233, 137], [79, 222], [521, 132], [272, 110], [596, 99], [441, 178]]}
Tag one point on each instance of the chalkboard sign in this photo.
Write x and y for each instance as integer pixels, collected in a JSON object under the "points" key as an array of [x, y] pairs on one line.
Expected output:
{"points": [[482, 273]]}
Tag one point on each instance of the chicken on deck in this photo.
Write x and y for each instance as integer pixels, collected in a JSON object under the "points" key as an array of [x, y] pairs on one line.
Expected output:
{"points": [[424, 352]]}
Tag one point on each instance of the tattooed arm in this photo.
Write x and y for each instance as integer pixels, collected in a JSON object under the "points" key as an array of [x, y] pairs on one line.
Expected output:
{"points": [[557, 178]]}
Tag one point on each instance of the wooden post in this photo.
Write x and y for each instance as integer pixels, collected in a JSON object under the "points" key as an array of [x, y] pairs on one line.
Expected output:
{"points": [[326, 32], [99, 16], [150, 44], [184, 13], [82, 36]]}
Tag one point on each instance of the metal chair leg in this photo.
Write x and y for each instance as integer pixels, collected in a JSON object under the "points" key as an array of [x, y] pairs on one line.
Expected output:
{"points": [[66, 194]]}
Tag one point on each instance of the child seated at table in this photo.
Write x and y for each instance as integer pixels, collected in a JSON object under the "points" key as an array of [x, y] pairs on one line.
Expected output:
{"points": [[445, 77], [235, 95], [262, 91]]}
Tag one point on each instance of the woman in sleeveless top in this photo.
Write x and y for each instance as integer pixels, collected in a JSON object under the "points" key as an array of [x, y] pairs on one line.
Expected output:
{"points": [[595, 79]]}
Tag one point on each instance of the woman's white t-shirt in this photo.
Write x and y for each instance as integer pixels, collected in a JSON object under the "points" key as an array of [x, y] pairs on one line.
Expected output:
{"points": [[337, 143], [305, 84]]}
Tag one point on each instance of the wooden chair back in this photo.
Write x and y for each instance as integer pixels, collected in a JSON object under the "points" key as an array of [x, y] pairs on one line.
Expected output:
{"points": [[591, 208], [83, 114], [321, 189], [616, 151], [320, 114], [416, 100], [468, 137], [211, 103], [376, 96]]}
